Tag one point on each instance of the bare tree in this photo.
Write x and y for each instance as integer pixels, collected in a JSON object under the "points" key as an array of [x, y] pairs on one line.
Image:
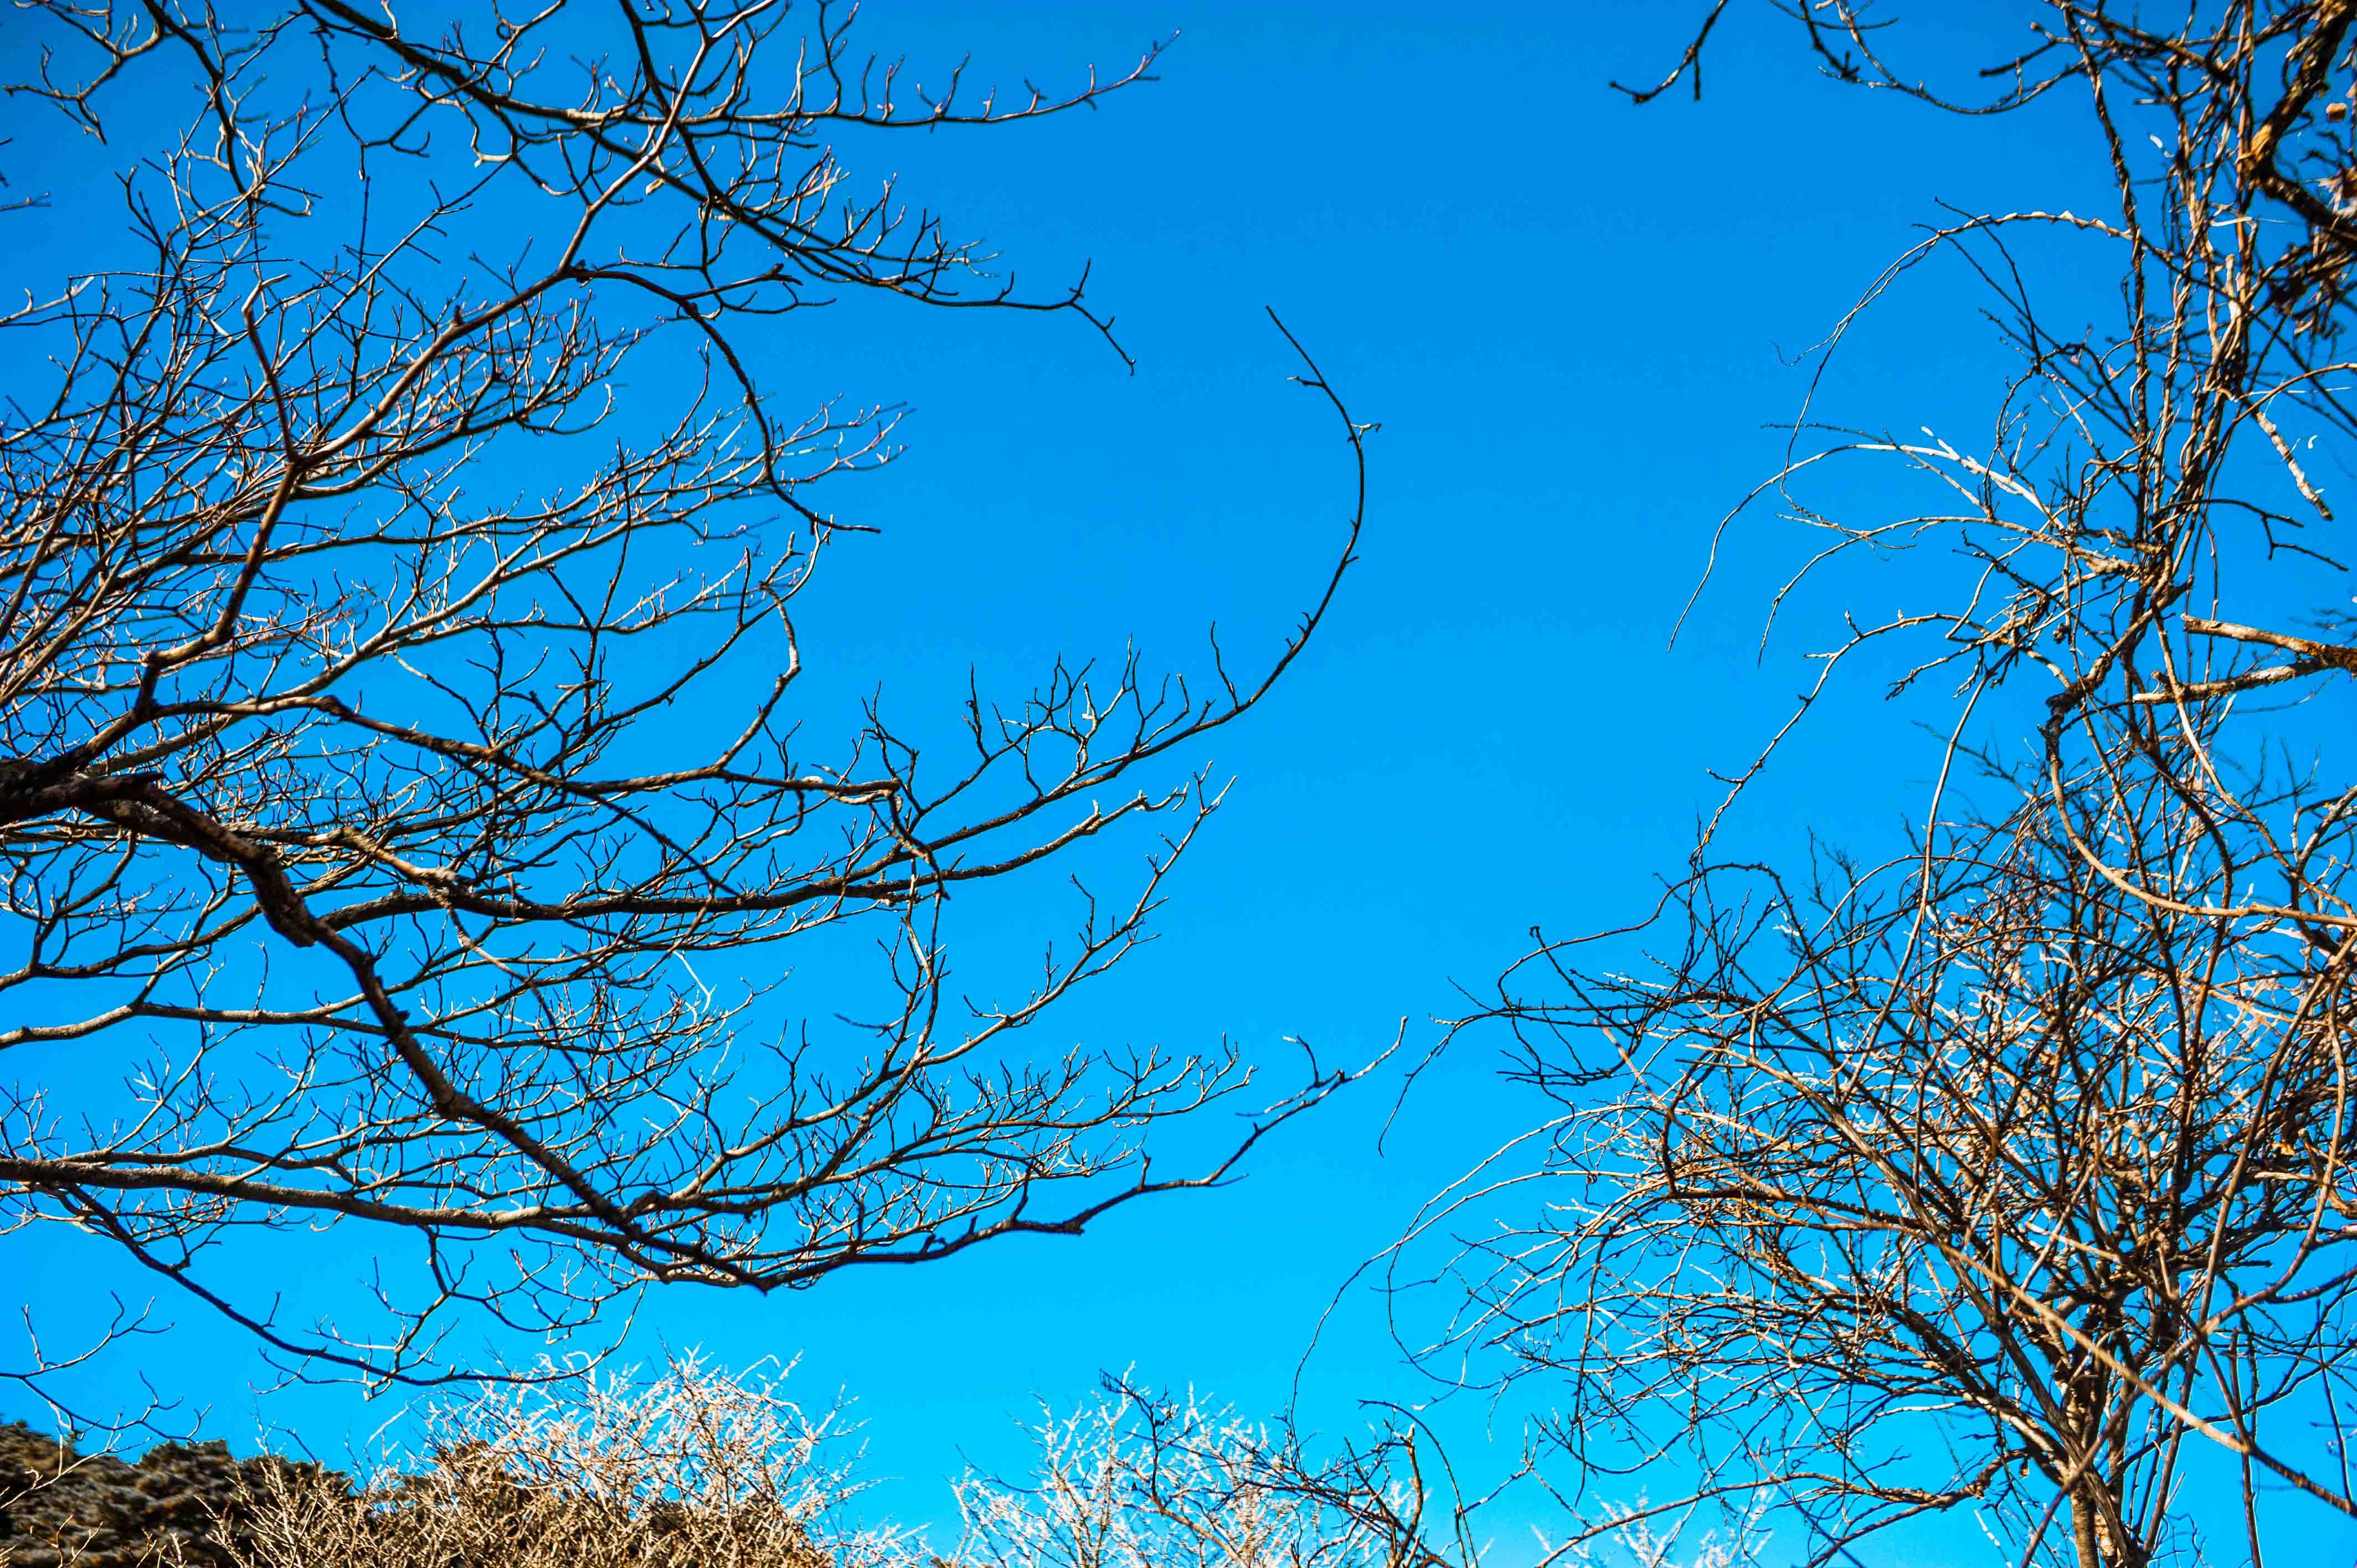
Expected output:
{"points": [[2006, 1176], [399, 739]]}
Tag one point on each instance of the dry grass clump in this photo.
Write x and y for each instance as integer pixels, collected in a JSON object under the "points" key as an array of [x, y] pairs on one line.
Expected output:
{"points": [[695, 1469]]}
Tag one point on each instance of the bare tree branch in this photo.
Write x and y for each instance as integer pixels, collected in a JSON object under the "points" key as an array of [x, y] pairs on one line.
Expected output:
{"points": [[401, 734]]}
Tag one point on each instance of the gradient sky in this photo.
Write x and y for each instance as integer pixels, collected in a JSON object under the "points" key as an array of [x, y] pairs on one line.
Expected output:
{"points": [[1575, 320]]}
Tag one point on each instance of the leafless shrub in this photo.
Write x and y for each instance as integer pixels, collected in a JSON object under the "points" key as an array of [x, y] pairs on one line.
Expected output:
{"points": [[1635, 1534], [695, 1469], [1140, 1480]]}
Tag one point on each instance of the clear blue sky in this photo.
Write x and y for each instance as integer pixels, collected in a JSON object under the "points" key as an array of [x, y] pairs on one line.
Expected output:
{"points": [[1572, 318]]}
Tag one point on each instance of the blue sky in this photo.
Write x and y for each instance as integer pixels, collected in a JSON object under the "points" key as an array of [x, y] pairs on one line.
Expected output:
{"points": [[1574, 319]]}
